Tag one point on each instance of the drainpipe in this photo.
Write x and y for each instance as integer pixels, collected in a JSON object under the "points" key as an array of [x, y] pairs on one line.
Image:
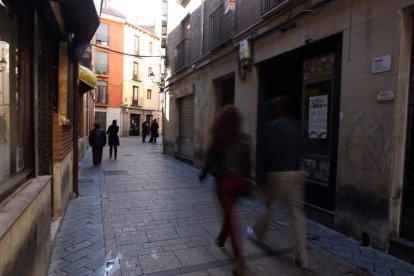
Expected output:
{"points": [[202, 29], [73, 81]]}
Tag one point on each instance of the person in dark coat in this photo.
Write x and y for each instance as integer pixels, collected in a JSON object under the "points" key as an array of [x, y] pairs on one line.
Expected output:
{"points": [[285, 183], [144, 130], [113, 139], [154, 131], [97, 140]]}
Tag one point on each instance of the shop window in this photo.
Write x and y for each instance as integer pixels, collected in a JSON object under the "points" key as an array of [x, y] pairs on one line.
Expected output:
{"points": [[16, 136]]}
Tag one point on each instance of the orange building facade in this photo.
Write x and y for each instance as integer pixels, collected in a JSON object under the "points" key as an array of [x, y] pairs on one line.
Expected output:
{"points": [[109, 67]]}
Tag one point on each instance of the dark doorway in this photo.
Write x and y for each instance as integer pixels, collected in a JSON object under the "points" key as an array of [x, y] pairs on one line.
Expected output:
{"points": [[288, 74], [227, 94], [225, 89], [100, 117], [134, 125], [407, 210]]}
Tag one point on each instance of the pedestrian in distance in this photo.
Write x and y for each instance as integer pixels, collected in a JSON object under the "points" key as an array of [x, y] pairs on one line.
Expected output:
{"points": [[97, 140], [228, 160], [285, 185], [154, 131], [144, 130], [113, 139]]}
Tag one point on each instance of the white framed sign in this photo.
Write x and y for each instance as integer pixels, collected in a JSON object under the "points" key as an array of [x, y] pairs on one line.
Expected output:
{"points": [[318, 117]]}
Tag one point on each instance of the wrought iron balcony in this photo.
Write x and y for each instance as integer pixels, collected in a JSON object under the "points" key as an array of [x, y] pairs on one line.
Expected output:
{"points": [[181, 58], [222, 23], [277, 5]]}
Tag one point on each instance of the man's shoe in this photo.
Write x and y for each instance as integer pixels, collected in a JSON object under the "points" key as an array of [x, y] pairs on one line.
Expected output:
{"points": [[252, 235], [299, 263]]}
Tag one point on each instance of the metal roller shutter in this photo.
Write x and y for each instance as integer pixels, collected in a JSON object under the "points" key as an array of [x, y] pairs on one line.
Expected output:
{"points": [[186, 127]]}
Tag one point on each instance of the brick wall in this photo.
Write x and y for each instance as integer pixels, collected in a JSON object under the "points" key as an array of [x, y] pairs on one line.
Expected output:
{"points": [[247, 13], [62, 140]]}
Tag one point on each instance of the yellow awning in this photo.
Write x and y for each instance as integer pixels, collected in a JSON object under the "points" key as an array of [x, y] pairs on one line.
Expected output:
{"points": [[87, 77]]}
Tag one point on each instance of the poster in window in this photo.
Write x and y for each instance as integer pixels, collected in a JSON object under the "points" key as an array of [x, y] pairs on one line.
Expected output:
{"points": [[318, 117]]}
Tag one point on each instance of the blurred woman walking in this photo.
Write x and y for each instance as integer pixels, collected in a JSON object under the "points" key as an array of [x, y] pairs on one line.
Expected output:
{"points": [[228, 160]]}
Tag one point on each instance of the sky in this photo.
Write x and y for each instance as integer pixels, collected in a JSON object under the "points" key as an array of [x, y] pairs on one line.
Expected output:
{"points": [[142, 12]]}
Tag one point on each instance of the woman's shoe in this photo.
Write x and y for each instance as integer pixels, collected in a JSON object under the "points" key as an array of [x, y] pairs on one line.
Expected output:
{"points": [[240, 270], [220, 244]]}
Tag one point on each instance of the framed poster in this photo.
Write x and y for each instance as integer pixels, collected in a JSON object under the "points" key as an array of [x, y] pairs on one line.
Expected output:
{"points": [[318, 117]]}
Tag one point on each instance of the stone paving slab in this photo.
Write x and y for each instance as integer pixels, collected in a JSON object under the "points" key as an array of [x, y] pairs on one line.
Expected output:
{"points": [[147, 214]]}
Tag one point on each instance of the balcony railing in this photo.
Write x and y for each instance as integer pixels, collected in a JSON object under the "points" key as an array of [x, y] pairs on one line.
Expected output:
{"points": [[137, 102], [102, 69], [276, 5], [181, 58], [222, 23]]}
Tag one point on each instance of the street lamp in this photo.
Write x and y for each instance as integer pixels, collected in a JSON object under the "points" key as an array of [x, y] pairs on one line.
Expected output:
{"points": [[3, 62], [161, 86]]}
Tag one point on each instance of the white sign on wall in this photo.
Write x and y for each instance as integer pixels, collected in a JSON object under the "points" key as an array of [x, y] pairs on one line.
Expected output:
{"points": [[318, 117], [381, 64]]}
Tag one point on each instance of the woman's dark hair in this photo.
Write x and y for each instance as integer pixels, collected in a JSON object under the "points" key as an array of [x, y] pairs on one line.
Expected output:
{"points": [[226, 127]]}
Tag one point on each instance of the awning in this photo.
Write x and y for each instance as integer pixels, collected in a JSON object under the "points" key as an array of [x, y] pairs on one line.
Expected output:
{"points": [[87, 78]]}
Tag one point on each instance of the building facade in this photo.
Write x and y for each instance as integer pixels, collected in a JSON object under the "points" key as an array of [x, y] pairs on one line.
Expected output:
{"points": [[348, 66], [126, 57], [142, 70], [109, 66], [41, 43]]}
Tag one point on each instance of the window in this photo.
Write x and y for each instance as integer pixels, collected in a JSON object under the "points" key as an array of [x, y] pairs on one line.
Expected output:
{"points": [[164, 8], [102, 34], [135, 71], [150, 48], [136, 45], [102, 92], [149, 94], [135, 95], [16, 140], [101, 65], [149, 72]]}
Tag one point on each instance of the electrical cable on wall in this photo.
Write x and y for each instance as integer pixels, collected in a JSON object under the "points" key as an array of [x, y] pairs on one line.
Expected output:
{"points": [[125, 54]]}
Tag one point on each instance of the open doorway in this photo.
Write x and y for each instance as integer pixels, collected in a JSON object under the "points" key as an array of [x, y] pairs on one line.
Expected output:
{"points": [[225, 90], [308, 74], [134, 125]]}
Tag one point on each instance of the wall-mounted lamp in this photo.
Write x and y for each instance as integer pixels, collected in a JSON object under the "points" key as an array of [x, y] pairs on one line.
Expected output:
{"points": [[245, 58], [161, 84], [3, 62]]}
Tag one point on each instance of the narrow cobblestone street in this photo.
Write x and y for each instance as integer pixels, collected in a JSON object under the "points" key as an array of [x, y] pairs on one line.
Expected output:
{"points": [[147, 214]]}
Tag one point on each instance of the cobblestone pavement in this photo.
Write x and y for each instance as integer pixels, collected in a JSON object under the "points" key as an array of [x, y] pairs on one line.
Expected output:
{"points": [[147, 214]]}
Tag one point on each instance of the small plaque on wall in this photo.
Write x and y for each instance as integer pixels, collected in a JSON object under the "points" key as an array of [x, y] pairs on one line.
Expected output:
{"points": [[381, 64]]}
